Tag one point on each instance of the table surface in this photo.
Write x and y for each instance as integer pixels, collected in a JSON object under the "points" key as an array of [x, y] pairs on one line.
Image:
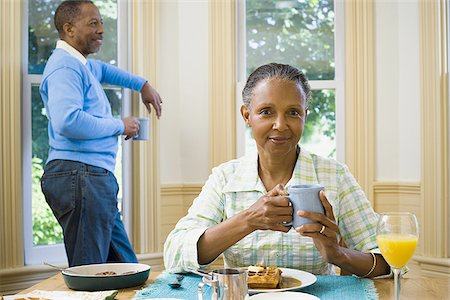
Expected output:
{"points": [[412, 287]]}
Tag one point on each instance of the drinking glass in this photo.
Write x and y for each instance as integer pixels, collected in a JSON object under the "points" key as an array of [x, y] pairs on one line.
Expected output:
{"points": [[397, 236]]}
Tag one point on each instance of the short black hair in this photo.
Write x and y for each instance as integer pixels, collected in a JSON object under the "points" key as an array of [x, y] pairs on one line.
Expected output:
{"points": [[68, 12], [276, 71]]}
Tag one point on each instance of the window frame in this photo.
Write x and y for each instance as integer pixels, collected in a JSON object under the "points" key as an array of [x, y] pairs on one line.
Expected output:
{"points": [[56, 253], [337, 84]]}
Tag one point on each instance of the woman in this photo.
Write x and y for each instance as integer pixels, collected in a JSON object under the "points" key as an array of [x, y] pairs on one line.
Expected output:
{"points": [[243, 204]]}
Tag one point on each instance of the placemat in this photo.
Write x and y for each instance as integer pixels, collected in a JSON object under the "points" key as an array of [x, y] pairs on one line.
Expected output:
{"points": [[326, 288], [342, 287], [160, 288]]}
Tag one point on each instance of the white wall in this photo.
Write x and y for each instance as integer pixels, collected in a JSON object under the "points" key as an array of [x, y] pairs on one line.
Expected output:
{"points": [[183, 85], [397, 91]]}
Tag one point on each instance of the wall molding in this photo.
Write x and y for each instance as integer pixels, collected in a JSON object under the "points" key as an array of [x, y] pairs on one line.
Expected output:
{"points": [[407, 196], [180, 189], [11, 209], [400, 196], [396, 187], [17, 279], [222, 74], [145, 235], [175, 202], [360, 92], [434, 127], [433, 266], [180, 195], [397, 196]]}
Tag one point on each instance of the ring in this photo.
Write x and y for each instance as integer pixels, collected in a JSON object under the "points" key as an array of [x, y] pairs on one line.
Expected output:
{"points": [[321, 230]]}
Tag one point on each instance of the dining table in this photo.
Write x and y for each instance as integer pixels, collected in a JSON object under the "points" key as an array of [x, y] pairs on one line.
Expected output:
{"points": [[412, 287]]}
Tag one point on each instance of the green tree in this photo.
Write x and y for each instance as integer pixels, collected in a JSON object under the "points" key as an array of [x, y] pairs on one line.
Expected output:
{"points": [[46, 229], [299, 33]]}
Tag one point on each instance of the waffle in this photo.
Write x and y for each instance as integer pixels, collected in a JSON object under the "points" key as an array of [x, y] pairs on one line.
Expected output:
{"points": [[265, 278]]}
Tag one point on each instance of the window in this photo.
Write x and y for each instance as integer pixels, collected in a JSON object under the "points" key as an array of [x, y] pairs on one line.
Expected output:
{"points": [[307, 35], [42, 234]]}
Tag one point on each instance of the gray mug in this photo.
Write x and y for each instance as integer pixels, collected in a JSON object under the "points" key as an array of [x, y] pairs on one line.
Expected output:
{"points": [[304, 197], [227, 284], [144, 130]]}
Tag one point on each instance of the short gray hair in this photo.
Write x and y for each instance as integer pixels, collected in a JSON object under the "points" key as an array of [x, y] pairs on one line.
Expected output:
{"points": [[276, 71], [68, 12]]}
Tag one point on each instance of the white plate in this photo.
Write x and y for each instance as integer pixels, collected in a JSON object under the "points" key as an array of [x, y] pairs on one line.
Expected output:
{"points": [[305, 278], [284, 295]]}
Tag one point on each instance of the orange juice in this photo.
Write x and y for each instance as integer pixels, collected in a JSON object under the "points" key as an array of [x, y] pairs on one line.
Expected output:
{"points": [[396, 248]]}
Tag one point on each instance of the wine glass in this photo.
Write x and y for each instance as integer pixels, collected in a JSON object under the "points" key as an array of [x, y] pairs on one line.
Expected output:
{"points": [[397, 236]]}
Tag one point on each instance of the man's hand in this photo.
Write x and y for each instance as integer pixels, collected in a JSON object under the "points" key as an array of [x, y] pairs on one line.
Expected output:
{"points": [[131, 125], [150, 96]]}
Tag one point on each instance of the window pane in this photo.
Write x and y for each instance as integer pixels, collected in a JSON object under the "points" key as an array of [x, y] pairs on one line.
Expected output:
{"points": [[42, 35], [295, 32], [115, 95], [46, 229], [319, 136], [108, 51]]}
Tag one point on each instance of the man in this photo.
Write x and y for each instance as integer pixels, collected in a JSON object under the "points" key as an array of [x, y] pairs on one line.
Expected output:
{"points": [[78, 181]]}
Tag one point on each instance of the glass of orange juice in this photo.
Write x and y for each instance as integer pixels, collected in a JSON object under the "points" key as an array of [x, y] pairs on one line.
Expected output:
{"points": [[397, 236]]}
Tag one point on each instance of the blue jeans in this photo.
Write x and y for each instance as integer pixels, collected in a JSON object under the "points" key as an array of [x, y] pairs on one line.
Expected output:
{"points": [[83, 199]]}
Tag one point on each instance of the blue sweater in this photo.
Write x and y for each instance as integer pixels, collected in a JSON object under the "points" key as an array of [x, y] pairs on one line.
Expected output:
{"points": [[81, 126]]}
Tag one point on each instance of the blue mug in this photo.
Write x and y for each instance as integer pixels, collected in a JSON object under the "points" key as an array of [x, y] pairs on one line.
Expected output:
{"points": [[304, 197], [144, 130]]}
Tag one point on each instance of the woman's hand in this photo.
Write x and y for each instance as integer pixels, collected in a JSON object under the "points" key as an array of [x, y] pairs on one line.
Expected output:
{"points": [[326, 237], [325, 233], [270, 211], [266, 214]]}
